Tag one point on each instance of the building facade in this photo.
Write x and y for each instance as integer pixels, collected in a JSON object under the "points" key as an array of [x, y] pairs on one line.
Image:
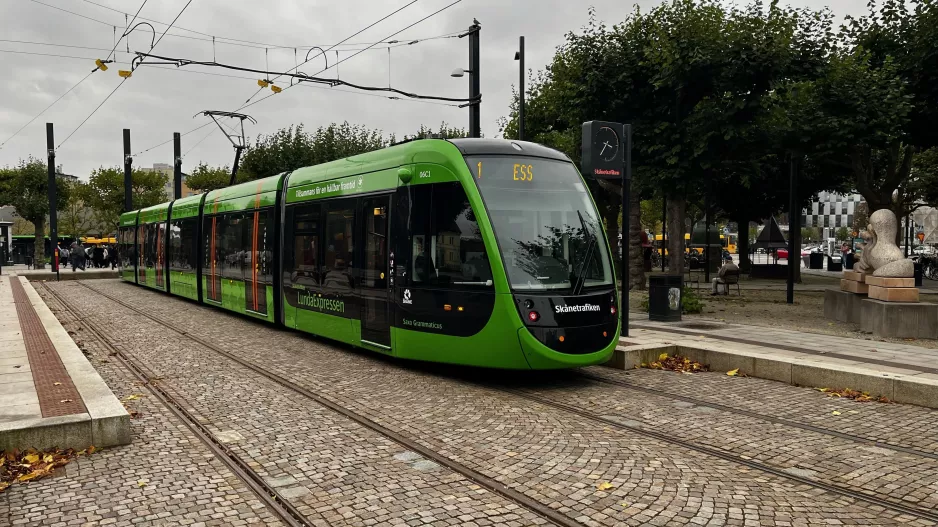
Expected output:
{"points": [[167, 170], [830, 211]]}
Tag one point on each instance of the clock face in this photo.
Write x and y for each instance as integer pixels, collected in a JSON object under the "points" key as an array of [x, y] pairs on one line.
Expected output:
{"points": [[606, 143]]}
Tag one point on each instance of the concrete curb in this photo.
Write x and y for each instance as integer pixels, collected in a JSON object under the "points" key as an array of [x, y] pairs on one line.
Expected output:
{"points": [[109, 420], [898, 385], [48, 276]]}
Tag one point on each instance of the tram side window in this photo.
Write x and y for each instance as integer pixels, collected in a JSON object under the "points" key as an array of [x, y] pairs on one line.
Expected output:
{"points": [[126, 247], [149, 254], [181, 244], [231, 251], [447, 247], [207, 246], [305, 244], [339, 245], [264, 257], [265, 245]]}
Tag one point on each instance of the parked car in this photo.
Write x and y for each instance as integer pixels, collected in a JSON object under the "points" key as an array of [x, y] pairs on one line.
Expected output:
{"points": [[783, 253], [925, 250]]}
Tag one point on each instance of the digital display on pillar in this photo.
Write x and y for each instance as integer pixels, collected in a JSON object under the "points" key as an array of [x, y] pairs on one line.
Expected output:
{"points": [[603, 150]]}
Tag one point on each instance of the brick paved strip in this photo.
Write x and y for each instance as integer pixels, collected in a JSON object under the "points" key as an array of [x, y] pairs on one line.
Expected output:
{"points": [[57, 394]]}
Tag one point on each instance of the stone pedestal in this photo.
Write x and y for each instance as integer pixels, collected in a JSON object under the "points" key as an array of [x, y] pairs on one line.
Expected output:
{"points": [[898, 320], [842, 306]]}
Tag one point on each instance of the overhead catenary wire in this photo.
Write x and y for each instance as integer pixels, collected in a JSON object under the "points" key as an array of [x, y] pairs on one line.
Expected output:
{"points": [[127, 31], [373, 24], [251, 43], [123, 80], [233, 41], [438, 11], [77, 84], [300, 76], [243, 106]]}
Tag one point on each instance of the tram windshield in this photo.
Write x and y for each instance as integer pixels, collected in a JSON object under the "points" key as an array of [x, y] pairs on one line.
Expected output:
{"points": [[548, 229]]}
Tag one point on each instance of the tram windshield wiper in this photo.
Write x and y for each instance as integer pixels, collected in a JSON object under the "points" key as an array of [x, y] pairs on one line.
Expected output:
{"points": [[581, 274]]}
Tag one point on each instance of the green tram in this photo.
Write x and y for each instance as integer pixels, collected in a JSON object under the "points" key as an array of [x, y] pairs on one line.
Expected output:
{"points": [[468, 251]]}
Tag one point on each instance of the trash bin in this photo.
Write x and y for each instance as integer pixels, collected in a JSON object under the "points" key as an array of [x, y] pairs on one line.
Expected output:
{"points": [[816, 261], [835, 263], [918, 273], [848, 261], [664, 298]]}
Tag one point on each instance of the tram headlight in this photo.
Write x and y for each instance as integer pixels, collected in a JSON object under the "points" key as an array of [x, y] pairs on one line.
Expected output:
{"points": [[534, 316], [528, 304]]}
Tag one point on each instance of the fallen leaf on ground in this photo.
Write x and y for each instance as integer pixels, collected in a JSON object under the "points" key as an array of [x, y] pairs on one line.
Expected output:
{"points": [[856, 395], [732, 373], [624, 504], [605, 485], [65, 401], [141, 483], [30, 465], [676, 363], [56, 384], [835, 412]]}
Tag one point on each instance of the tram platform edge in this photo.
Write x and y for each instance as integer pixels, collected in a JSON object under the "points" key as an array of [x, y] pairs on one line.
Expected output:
{"points": [[901, 373], [51, 395]]}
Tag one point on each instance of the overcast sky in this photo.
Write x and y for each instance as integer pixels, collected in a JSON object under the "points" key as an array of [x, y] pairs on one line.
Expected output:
{"points": [[154, 103]]}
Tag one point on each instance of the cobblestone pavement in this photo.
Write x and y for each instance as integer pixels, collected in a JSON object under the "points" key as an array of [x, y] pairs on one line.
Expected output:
{"points": [[330, 468], [901, 476], [553, 456], [166, 476]]}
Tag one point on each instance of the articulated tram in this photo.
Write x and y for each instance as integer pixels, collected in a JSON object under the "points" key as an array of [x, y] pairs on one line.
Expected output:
{"points": [[468, 251]]}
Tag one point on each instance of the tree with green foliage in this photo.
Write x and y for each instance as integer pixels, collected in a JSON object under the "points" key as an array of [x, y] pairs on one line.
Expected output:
{"points": [[695, 80], [873, 109], [810, 234], [292, 148], [77, 219], [924, 180], [842, 234], [206, 179], [26, 187], [104, 193]]}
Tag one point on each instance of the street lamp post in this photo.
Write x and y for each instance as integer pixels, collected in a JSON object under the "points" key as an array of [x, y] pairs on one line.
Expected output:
{"points": [[519, 56]]}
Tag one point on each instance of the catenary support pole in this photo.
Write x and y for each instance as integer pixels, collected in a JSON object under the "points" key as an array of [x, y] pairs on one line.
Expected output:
{"points": [[626, 242], [177, 165], [664, 229], [475, 129], [128, 167], [521, 89], [793, 220], [53, 202], [706, 237]]}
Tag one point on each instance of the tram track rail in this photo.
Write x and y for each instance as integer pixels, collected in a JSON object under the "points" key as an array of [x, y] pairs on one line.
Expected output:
{"points": [[278, 505], [761, 416], [519, 498], [535, 507], [831, 488]]}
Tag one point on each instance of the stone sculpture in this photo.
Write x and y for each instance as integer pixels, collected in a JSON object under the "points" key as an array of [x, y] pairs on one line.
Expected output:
{"points": [[881, 255], [869, 241]]}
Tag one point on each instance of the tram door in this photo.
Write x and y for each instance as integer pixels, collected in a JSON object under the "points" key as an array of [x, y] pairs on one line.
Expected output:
{"points": [[375, 315]]}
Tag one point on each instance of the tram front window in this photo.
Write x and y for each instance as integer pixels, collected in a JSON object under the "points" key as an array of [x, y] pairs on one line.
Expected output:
{"points": [[548, 229]]}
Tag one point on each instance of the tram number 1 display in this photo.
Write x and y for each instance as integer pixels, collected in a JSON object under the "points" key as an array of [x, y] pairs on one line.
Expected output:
{"points": [[520, 172]]}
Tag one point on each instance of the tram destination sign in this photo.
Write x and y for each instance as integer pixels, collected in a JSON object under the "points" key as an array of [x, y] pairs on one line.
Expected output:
{"points": [[603, 150]]}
